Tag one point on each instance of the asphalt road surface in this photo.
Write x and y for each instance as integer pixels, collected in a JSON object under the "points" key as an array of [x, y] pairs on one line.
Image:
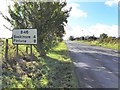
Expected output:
{"points": [[95, 67]]}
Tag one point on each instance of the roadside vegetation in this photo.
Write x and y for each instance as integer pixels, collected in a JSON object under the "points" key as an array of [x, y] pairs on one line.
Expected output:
{"points": [[49, 66], [104, 41], [53, 71]]}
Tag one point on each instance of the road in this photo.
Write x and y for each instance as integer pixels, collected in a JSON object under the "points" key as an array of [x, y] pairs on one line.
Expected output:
{"points": [[95, 67]]}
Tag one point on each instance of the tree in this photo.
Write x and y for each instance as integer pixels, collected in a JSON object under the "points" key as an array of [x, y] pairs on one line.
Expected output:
{"points": [[82, 37], [71, 38], [92, 37], [103, 36], [48, 18]]}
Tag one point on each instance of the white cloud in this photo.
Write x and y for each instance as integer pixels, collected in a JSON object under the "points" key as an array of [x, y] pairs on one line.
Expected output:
{"points": [[102, 28], [73, 31], [112, 2], [76, 11], [95, 30]]}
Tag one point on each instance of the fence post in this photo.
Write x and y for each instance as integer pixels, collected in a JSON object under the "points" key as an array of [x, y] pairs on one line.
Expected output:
{"points": [[6, 50]]}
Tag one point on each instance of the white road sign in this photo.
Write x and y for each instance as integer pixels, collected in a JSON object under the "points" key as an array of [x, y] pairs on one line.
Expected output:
{"points": [[24, 36]]}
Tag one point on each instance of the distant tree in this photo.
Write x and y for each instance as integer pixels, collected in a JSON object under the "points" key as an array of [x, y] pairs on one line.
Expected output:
{"points": [[82, 38], [77, 38], [71, 38], [92, 37], [103, 36]]}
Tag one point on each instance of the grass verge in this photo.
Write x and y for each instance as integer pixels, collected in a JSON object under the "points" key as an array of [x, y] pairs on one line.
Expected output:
{"points": [[62, 72], [53, 71], [102, 44]]}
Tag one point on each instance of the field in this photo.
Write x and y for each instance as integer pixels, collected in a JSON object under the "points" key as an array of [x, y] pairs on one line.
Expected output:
{"points": [[53, 71]]}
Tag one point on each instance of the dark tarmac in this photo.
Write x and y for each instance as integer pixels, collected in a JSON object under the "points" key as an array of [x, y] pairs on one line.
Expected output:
{"points": [[95, 67]]}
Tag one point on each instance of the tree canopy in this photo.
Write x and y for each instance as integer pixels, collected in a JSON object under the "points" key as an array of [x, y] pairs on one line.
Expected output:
{"points": [[103, 36], [71, 38], [48, 18]]}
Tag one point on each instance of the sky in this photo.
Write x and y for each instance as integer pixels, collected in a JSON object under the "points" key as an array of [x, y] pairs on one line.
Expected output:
{"points": [[87, 17], [92, 18]]}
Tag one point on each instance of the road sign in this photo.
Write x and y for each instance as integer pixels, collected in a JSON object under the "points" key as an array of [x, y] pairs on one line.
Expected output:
{"points": [[24, 36]]}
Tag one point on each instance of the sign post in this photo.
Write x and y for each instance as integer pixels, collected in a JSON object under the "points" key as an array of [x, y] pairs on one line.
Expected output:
{"points": [[17, 51], [27, 49], [31, 50], [24, 37]]}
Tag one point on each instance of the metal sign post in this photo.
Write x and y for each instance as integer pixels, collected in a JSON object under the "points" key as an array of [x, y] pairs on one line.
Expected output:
{"points": [[31, 50], [17, 51], [27, 49]]}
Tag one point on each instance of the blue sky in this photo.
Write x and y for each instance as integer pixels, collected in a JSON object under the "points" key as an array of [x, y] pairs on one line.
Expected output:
{"points": [[93, 18], [97, 12]]}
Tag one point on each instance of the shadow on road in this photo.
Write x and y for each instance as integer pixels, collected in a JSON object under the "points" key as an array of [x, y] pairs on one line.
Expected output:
{"points": [[95, 69]]}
